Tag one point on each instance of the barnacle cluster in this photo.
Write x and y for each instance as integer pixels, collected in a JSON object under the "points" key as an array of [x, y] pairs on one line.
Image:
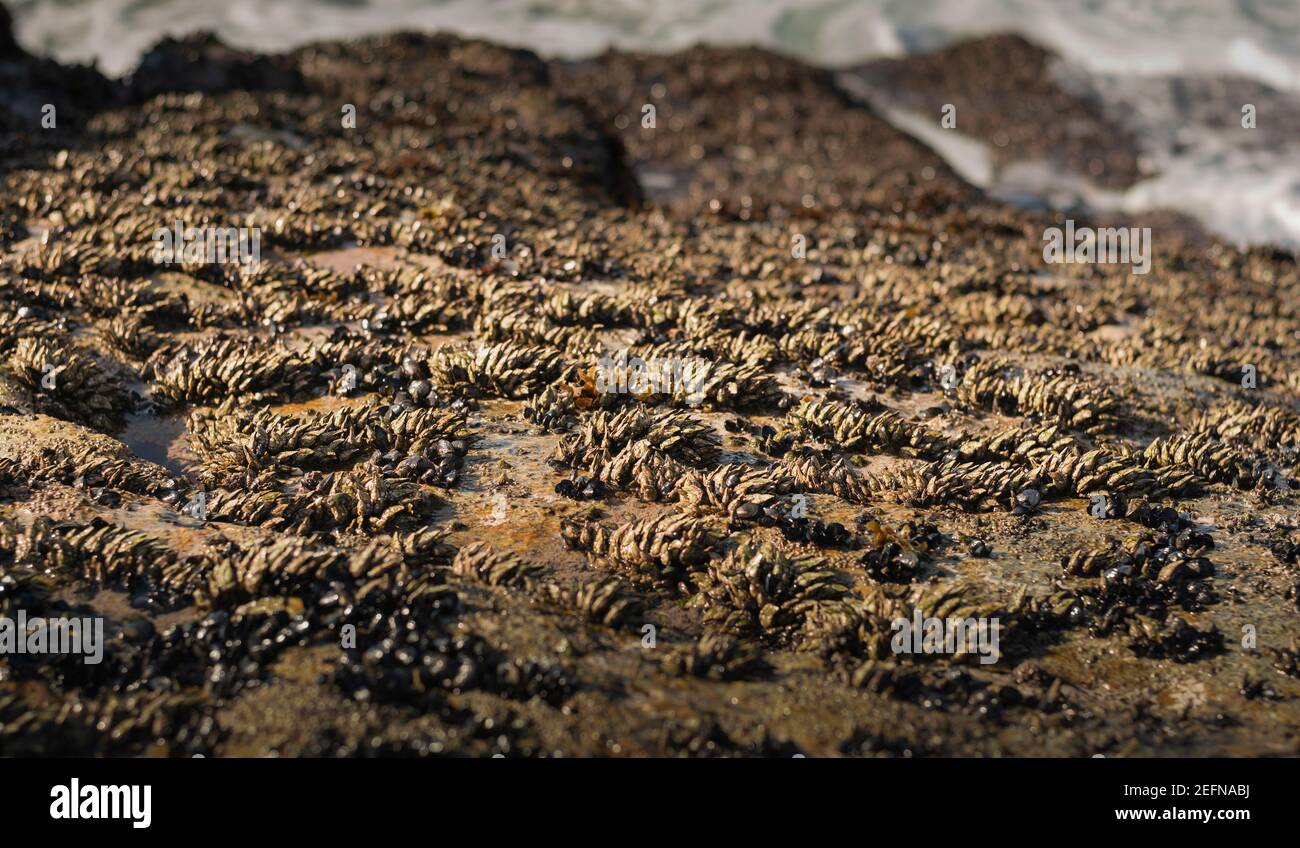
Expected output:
{"points": [[70, 384], [391, 489], [761, 589], [660, 549], [715, 656], [1055, 393]]}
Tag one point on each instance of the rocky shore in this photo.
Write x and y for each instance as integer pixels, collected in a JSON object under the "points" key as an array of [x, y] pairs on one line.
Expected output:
{"points": [[373, 495]]}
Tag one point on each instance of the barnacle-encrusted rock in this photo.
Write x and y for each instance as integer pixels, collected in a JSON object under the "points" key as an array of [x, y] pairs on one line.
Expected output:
{"points": [[638, 467], [1108, 470], [723, 384], [294, 567], [1170, 559], [884, 677], [513, 370], [42, 449], [587, 308], [118, 724], [1076, 402], [553, 409], [362, 499], [636, 449], [740, 347], [98, 551], [212, 370], [480, 562], [1022, 444], [964, 603], [716, 656], [70, 384], [578, 342], [811, 473], [1088, 562], [855, 429], [605, 600], [677, 374], [660, 549], [258, 449], [423, 546], [971, 486], [736, 491], [1206, 457], [675, 433], [235, 440], [130, 336], [1261, 427], [759, 589]]}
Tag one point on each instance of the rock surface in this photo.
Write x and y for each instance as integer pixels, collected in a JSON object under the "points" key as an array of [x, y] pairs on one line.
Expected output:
{"points": [[413, 513]]}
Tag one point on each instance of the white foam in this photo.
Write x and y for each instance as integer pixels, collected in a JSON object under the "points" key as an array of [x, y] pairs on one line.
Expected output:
{"points": [[1254, 38], [969, 157]]}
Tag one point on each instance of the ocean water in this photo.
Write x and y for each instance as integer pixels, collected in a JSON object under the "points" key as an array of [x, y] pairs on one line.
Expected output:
{"points": [[1175, 71]]}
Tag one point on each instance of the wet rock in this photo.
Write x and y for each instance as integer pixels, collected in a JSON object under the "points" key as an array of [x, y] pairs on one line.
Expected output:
{"points": [[202, 63], [28, 84], [8, 43]]}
